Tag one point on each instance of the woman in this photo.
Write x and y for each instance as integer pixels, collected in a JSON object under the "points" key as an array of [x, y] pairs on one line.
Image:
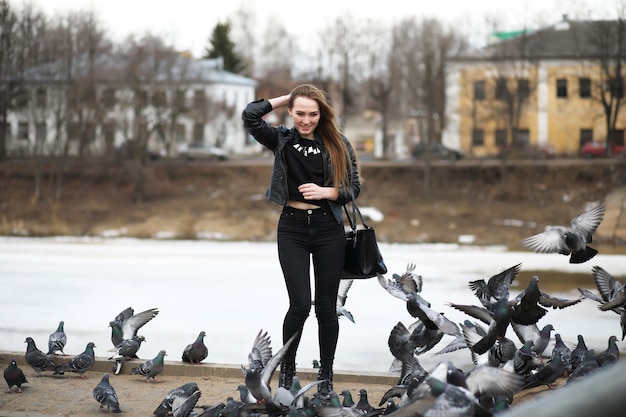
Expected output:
{"points": [[315, 172]]}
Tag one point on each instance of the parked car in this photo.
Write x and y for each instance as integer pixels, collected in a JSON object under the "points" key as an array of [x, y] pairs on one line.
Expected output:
{"points": [[525, 151], [437, 151], [593, 149], [201, 151]]}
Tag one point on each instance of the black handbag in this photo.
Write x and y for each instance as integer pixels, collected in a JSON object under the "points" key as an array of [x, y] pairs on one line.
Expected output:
{"points": [[363, 258]]}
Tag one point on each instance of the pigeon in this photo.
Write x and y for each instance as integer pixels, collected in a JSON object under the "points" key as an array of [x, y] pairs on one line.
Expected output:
{"points": [[197, 351], [259, 374], [496, 287], [14, 377], [165, 407], [541, 338], [125, 351], [150, 368], [610, 355], [127, 323], [396, 289], [587, 366], [342, 296], [579, 353], [183, 405], [560, 348], [105, 394], [409, 281], [57, 340], [571, 240], [546, 374], [80, 363], [526, 360], [402, 345], [347, 401], [36, 359], [612, 295]]}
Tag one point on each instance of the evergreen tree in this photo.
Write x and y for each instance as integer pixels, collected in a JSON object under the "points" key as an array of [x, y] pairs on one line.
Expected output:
{"points": [[222, 46]]}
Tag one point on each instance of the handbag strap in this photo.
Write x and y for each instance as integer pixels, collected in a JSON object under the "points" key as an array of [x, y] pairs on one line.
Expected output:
{"points": [[353, 220]]}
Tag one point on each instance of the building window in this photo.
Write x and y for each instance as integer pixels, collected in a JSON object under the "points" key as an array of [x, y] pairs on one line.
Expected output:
{"points": [[141, 98], [617, 87], [158, 99], [561, 88], [478, 137], [199, 99], [22, 131], [198, 133], [40, 98], [584, 87], [108, 133], [523, 88], [108, 97], [501, 92], [501, 137], [21, 98], [180, 133], [179, 100], [522, 137], [586, 135], [618, 137], [40, 132], [479, 90]]}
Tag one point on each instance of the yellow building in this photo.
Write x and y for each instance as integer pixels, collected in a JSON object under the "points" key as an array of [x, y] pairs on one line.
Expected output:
{"points": [[551, 87]]}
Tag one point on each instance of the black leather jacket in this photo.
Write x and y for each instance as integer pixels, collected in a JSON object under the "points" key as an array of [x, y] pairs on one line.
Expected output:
{"points": [[275, 139]]}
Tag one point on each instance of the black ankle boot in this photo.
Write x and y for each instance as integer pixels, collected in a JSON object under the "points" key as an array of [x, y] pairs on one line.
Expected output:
{"points": [[287, 372], [326, 376]]}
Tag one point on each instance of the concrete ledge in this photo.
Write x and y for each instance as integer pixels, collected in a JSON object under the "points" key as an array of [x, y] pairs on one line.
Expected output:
{"points": [[179, 368]]}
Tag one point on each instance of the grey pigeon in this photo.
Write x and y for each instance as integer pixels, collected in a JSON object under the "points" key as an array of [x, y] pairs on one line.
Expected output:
{"points": [[105, 394], [197, 351], [127, 323], [14, 377], [541, 338], [579, 353], [526, 360], [36, 359], [258, 376], [183, 405], [125, 351], [342, 297], [587, 366], [80, 363], [398, 290], [57, 340], [402, 345], [572, 240], [496, 287], [560, 348], [409, 280], [546, 374], [612, 295], [151, 368], [610, 355], [165, 407]]}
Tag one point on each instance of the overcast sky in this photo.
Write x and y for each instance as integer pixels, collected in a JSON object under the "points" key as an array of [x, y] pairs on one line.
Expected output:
{"points": [[188, 23]]}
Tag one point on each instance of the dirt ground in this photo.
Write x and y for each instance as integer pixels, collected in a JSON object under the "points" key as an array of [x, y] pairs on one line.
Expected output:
{"points": [[70, 395]]}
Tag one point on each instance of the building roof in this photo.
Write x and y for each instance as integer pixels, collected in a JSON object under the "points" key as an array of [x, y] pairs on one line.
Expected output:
{"points": [[567, 39], [110, 68]]}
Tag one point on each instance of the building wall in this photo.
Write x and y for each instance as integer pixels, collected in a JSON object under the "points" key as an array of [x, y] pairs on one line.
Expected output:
{"points": [[550, 120]]}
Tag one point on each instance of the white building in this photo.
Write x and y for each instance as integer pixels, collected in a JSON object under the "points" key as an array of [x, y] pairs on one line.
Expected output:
{"points": [[93, 107]]}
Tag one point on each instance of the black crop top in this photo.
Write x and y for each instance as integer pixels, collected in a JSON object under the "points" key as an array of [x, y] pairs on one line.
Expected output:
{"points": [[304, 164]]}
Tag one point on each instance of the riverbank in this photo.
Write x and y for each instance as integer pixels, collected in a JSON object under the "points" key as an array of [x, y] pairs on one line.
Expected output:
{"points": [[477, 202]]}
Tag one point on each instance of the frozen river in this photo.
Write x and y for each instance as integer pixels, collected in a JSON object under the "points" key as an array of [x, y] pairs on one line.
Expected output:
{"points": [[231, 290]]}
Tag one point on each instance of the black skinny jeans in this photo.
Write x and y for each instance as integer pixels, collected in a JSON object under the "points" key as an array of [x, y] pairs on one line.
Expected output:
{"points": [[302, 235]]}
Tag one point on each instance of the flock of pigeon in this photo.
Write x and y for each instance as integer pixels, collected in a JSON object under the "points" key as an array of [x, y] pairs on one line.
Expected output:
{"points": [[502, 366]]}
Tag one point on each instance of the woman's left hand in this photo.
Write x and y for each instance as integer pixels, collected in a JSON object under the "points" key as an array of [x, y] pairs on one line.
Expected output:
{"points": [[312, 191]]}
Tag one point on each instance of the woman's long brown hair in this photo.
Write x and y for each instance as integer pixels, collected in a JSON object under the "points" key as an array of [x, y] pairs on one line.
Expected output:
{"points": [[328, 131]]}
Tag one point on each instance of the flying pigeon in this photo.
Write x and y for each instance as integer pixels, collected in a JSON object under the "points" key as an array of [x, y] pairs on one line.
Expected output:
{"points": [[105, 394], [151, 368], [125, 351], [14, 377], [612, 295], [57, 340], [127, 323], [182, 405], [165, 407], [259, 374], [571, 240], [36, 359], [80, 363], [197, 351], [342, 296], [409, 281]]}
